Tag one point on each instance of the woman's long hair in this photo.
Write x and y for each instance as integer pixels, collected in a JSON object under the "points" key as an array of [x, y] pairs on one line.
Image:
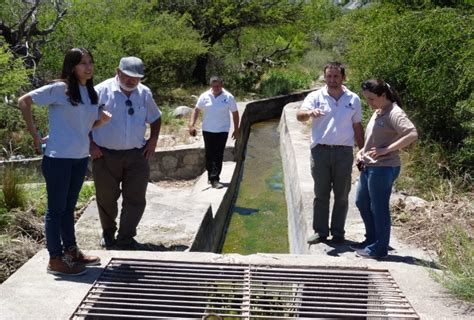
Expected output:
{"points": [[73, 58], [378, 87]]}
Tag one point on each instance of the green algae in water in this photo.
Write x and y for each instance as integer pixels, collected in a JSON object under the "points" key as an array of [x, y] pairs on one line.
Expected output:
{"points": [[259, 221]]}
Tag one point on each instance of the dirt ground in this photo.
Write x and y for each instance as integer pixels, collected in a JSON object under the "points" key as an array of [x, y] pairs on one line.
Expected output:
{"points": [[424, 225]]}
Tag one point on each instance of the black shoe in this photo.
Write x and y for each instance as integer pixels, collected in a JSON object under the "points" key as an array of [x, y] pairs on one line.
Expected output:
{"points": [[107, 240], [217, 185], [338, 240], [129, 244], [316, 238]]}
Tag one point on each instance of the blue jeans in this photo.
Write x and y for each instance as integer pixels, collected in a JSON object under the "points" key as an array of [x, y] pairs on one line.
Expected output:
{"points": [[64, 178], [373, 200]]}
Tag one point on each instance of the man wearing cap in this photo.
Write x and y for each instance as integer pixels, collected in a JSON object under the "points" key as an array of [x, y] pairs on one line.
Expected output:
{"points": [[120, 152], [216, 104]]}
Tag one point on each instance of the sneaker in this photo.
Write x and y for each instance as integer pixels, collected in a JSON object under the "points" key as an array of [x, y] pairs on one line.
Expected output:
{"points": [[77, 256], [364, 253], [338, 239], [316, 238], [359, 245], [64, 266], [107, 240], [217, 185]]}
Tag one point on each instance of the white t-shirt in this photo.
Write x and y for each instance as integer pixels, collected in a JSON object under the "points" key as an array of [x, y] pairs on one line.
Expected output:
{"points": [[68, 125], [216, 116], [335, 127], [124, 131]]}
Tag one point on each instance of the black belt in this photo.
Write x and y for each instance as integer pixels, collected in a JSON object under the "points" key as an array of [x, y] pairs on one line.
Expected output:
{"points": [[331, 146], [119, 151]]}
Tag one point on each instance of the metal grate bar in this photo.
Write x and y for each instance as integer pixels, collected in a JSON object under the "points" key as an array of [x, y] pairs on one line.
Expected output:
{"points": [[148, 289]]}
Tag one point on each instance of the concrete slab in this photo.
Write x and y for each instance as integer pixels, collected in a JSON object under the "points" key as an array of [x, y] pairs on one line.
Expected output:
{"points": [[31, 293]]}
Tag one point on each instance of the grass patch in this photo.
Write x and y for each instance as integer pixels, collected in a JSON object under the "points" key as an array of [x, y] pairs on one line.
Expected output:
{"points": [[457, 257], [13, 193]]}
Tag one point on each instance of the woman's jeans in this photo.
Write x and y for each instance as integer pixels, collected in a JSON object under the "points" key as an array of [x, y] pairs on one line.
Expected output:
{"points": [[64, 178], [373, 200]]}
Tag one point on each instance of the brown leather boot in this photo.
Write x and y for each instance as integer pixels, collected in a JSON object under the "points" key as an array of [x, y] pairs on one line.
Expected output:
{"points": [[64, 266], [78, 256]]}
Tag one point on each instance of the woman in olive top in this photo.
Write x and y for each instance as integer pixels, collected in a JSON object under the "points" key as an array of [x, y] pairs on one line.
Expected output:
{"points": [[72, 113], [388, 130]]}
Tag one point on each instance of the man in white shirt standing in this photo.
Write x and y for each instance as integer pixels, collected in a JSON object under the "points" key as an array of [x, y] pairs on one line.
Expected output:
{"points": [[120, 152], [336, 122], [216, 104]]}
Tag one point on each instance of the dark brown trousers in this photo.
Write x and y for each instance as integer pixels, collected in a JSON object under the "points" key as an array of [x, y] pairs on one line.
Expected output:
{"points": [[123, 172]]}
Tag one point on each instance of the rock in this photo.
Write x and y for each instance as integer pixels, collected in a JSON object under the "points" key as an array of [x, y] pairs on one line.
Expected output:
{"points": [[412, 202], [181, 111]]}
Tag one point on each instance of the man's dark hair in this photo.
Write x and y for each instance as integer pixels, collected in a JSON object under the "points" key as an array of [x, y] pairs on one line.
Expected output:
{"points": [[335, 65], [216, 79]]}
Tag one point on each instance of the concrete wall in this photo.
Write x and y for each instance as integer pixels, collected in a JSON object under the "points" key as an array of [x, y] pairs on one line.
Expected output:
{"points": [[295, 153], [185, 162]]}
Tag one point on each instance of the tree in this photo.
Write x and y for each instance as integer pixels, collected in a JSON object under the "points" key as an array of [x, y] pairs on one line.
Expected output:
{"points": [[215, 19], [13, 74], [165, 42], [23, 30]]}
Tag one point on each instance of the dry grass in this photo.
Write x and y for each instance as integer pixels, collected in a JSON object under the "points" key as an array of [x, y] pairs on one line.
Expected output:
{"points": [[22, 241], [446, 228], [424, 225]]}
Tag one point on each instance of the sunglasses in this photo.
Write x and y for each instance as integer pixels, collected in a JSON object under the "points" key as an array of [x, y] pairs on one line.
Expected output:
{"points": [[129, 104]]}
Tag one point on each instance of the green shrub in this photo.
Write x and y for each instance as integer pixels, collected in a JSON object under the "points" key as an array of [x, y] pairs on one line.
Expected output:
{"points": [[13, 74], [427, 173], [14, 138], [428, 56], [167, 43], [315, 60], [283, 81]]}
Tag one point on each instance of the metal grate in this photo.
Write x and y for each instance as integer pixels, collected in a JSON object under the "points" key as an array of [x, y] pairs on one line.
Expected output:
{"points": [[151, 289]]}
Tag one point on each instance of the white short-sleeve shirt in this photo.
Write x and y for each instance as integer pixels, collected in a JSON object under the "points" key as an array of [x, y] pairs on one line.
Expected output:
{"points": [[216, 116], [335, 127], [68, 125], [125, 131]]}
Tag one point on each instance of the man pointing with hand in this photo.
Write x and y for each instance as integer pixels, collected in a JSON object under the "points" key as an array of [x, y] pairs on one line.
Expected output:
{"points": [[336, 122]]}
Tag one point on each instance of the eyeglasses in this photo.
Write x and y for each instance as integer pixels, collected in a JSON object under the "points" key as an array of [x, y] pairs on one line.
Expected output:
{"points": [[129, 104]]}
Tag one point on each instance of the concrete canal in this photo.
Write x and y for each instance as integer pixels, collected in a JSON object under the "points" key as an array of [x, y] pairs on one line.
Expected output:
{"points": [[259, 221]]}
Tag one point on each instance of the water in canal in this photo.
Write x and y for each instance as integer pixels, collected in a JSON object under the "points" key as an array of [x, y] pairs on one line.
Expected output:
{"points": [[259, 221]]}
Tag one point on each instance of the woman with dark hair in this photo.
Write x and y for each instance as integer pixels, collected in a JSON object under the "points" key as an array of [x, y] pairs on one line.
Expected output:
{"points": [[388, 131], [72, 113]]}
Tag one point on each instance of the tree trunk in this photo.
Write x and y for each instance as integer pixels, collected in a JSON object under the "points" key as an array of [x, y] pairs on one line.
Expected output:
{"points": [[199, 73]]}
